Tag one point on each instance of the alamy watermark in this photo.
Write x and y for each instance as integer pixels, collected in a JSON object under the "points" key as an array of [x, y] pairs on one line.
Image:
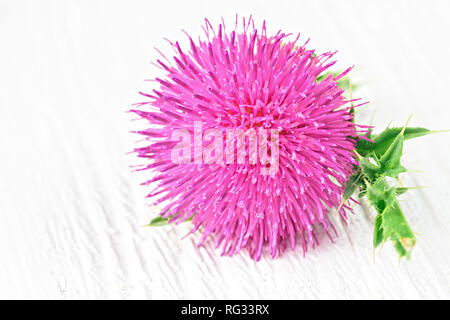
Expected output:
{"points": [[227, 146]]}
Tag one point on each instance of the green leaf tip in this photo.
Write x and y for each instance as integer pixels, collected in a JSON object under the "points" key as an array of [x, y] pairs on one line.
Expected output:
{"points": [[390, 223], [160, 221], [382, 141]]}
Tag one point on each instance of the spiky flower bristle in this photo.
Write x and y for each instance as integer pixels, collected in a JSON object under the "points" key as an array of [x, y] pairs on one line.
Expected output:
{"points": [[242, 80]]}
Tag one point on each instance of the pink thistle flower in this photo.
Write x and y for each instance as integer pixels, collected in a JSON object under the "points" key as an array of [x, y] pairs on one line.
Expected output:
{"points": [[250, 80]]}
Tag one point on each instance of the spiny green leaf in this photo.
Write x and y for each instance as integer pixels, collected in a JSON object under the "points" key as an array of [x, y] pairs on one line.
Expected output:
{"points": [[390, 224], [392, 155], [380, 194], [390, 160], [397, 229], [382, 141], [401, 250]]}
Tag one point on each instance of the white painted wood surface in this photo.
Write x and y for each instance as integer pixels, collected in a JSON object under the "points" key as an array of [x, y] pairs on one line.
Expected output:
{"points": [[72, 212]]}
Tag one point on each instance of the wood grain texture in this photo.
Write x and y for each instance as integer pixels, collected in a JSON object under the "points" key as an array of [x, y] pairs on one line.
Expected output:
{"points": [[72, 211]]}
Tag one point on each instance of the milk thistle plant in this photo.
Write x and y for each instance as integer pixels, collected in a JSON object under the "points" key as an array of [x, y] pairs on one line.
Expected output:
{"points": [[251, 138]]}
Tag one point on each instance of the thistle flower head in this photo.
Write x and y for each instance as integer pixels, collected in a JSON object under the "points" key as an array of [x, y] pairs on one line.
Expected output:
{"points": [[248, 81]]}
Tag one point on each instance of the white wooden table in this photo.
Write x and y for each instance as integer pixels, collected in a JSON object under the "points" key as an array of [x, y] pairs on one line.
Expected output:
{"points": [[72, 212]]}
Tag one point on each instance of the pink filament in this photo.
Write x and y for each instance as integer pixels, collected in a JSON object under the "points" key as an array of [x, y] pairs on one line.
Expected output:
{"points": [[248, 80]]}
